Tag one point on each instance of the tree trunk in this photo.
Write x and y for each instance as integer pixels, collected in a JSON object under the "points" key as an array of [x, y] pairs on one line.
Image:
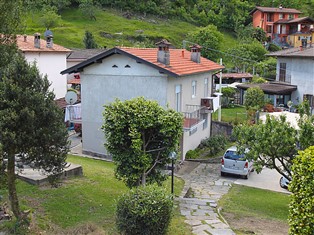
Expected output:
{"points": [[11, 185], [143, 178]]}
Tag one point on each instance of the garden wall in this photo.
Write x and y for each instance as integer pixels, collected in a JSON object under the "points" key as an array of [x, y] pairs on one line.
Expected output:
{"points": [[221, 128]]}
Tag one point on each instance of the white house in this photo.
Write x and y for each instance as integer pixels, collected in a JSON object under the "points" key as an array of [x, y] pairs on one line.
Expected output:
{"points": [[50, 59], [295, 66], [174, 77]]}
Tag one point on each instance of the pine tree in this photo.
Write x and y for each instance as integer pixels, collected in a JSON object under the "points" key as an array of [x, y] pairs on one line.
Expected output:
{"points": [[31, 125], [89, 40]]}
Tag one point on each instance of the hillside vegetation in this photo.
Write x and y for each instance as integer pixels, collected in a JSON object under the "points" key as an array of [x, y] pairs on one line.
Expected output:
{"points": [[111, 29]]}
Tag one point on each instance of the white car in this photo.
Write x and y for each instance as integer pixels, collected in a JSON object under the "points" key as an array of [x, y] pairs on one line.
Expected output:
{"points": [[232, 163], [284, 182]]}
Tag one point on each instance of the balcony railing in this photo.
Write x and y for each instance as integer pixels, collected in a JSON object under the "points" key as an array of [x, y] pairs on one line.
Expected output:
{"points": [[73, 113], [192, 117]]}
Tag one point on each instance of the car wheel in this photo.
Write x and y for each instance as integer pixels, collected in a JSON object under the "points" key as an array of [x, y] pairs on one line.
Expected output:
{"points": [[222, 173], [281, 182], [246, 176]]}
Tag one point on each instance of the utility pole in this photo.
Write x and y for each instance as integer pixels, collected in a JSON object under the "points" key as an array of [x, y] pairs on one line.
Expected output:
{"points": [[220, 82]]}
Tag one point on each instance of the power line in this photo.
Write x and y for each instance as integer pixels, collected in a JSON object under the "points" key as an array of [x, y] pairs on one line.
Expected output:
{"points": [[242, 58]]}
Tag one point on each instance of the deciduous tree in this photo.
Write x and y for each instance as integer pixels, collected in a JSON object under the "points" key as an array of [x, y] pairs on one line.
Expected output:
{"points": [[275, 143], [210, 39], [140, 134]]}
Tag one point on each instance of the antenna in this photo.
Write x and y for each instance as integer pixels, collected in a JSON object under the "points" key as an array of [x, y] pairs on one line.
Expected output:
{"points": [[71, 97]]}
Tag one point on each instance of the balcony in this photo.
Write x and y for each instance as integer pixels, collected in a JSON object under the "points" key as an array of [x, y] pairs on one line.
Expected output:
{"points": [[73, 113], [192, 117], [195, 115]]}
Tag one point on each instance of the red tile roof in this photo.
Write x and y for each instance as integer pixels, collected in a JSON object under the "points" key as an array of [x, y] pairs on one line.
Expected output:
{"points": [[180, 60], [28, 45], [74, 81]]}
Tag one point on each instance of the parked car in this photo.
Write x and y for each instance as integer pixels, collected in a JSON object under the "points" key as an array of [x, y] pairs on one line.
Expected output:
{"points": [[284, 182], [233, 163]]}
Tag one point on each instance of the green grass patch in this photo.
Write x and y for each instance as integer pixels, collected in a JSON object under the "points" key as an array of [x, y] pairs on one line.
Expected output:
{"points": [[245, 201], [117, 29], [88, 200], [236, 114]]}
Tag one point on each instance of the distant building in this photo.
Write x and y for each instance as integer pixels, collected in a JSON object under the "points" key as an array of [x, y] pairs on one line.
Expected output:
{"points": [[50, 59], [176, 78], [283, 25]]}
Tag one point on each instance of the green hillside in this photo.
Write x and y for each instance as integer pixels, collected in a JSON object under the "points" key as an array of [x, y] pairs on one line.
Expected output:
{"points": [[111, 29]]}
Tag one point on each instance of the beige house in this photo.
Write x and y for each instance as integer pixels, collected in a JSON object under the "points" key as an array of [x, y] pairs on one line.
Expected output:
{"points": [[176, 78]]}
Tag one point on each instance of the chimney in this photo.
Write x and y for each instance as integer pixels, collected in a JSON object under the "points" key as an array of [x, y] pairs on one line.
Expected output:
{"points": [[49, 41], [25, 38], [163, 54], [196, 53], [37, 40]]}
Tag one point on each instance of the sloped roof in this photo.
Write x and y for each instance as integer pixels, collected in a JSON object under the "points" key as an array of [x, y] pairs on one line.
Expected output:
{"points": [[180, 62], [83, 54], [295, 52], [270, 88], [296, 20], [235, 75], [28, 45], [276, 10]]}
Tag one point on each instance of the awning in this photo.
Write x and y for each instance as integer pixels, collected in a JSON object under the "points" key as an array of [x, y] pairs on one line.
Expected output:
{"points": [[270, 88]]}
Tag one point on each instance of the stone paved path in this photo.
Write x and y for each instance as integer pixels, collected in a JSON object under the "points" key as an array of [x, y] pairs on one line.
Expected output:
{"points": [[200, 208]]}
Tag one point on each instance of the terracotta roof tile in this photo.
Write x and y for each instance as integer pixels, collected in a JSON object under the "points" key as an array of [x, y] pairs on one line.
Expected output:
{"points": [[29, 45], [180, 60]]}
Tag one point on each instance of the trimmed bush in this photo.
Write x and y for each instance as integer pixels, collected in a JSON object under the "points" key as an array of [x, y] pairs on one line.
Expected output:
{"points": [[145, 210], [214, 144], [301, 219]]}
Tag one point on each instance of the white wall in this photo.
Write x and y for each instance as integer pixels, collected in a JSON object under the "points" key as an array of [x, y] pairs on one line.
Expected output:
{"points": [[123, 83], [191, 141], [52, 64], [302, 75]]}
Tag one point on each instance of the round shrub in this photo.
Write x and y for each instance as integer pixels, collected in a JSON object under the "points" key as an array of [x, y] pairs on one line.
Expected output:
{"points": [[145, 210]]}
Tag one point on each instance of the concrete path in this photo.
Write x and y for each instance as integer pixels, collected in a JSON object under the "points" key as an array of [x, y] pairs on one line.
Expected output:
{"points": [[200, 207]]}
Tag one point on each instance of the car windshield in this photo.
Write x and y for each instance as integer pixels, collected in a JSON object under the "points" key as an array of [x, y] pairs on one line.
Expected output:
{"points": [[234, 156]]}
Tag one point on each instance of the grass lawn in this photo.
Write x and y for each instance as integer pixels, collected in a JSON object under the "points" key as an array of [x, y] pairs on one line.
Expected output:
{"points": [[248, 201], [236, 114], [83, 202]]}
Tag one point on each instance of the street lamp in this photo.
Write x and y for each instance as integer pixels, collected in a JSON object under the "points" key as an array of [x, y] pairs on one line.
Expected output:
{"points": [[173, 157]]}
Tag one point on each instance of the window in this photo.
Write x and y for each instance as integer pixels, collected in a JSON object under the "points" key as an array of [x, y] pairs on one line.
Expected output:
{"points": [[269, 29], [194, 130], [178, 98], [205, 124], [206, 87], [291, 16], [270, 17], [282, 72], [281, 16], [193, 89]]}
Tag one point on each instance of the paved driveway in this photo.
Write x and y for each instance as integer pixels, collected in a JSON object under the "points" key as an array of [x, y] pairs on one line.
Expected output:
{"points": [[267, 179]]}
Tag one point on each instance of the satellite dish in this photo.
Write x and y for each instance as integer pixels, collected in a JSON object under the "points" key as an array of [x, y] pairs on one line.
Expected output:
{"points": [[71, 97]]}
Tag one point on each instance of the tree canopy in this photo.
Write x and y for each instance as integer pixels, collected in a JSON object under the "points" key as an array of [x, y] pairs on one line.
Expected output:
{"points": [[31, 125], [140, 134], [209, 38], [254, 98], [275, 143]]}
